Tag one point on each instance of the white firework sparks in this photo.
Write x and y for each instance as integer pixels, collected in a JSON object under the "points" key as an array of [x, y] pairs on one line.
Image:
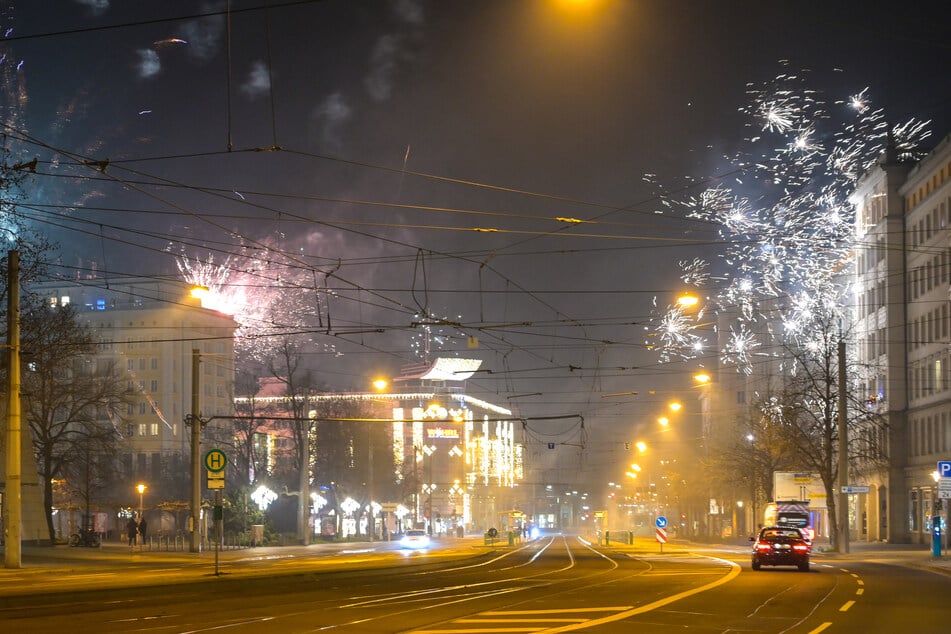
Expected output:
{"points": [[787, 255]]}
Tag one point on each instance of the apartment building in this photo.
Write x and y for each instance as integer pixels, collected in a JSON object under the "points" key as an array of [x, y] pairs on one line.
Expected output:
{"points": [[153, 327], [902, 332]]}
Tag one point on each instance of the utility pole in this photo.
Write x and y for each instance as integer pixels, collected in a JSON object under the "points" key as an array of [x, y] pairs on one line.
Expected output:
{"points": [[843, 454], [193, 524], [12, 500]]}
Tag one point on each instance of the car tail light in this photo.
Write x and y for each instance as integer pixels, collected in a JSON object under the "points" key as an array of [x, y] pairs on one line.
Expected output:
{"points": [[763, 546], [801, 547]]}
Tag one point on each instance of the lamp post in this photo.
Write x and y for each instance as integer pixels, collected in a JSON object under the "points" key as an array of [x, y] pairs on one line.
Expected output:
{"points": [[141, 489], [429, 487]]}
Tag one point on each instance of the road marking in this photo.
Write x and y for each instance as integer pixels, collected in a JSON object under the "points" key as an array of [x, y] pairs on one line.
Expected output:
{"points": [[547, 620], [845, 607], [734, 571], [860, 582], [860, 591], [821, 627], [561, 611]]}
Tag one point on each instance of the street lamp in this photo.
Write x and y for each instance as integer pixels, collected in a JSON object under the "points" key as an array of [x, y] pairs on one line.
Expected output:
{"points": [[141, 489], [427, 451], [687, 300]]}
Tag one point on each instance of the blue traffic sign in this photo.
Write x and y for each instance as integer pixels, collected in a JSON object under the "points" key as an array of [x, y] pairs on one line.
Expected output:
{"points": [[661, 522], [944, 468]]}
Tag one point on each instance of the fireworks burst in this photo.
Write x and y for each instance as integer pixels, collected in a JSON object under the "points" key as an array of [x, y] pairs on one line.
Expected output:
{"points": [[788, 255], [265, 309]]}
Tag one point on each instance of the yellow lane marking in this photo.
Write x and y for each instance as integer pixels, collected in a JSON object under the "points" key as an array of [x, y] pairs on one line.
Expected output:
{"points": [[734, 571], [860, 582], [562, 611], [860, 591], [846, 606], [548, 620], [481, 631], [821, 627]]}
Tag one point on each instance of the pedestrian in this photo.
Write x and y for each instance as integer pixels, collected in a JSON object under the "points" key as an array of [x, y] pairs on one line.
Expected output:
{"points": [[132, 528], [143, 526]]}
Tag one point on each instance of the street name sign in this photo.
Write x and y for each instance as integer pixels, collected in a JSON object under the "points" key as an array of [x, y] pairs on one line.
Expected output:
{"points": [[853, 488]]}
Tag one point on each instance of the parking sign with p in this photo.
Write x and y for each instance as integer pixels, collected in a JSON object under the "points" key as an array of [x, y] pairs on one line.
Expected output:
{"points": [[944, 468]]}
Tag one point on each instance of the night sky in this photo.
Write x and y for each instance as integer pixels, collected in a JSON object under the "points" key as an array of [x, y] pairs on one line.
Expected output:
{"points": [[421, 157]]}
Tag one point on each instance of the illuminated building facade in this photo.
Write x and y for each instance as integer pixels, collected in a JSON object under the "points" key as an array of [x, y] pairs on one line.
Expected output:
{"points": [[456, 457], [902, 329], [150, 328]]}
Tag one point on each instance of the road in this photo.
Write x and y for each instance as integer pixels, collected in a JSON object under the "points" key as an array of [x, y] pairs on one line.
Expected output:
{"points": [[554, 584]]}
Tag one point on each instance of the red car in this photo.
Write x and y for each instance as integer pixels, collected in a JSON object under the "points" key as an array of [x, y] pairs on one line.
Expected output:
{"points": [[781, 546]]}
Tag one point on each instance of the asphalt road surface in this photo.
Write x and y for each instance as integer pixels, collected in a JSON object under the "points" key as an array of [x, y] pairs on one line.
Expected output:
{"points": [[554, 584]]}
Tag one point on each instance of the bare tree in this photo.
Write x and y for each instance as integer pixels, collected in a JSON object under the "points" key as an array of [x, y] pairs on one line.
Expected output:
{"points": [[249, 463], [72, 400], [807, 412], [287, 367]]}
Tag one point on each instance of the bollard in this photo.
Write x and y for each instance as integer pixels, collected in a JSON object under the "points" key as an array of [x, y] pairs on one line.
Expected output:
{"points": [[607, 538], [511, 538]]}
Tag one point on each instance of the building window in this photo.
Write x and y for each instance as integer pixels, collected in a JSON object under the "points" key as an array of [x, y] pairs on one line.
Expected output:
{"points": [[142, 409], [130, 364], [130, 409], [154, 363], [130, 430], [741, 397], [153, 386], [153, 429], [141, 429]]}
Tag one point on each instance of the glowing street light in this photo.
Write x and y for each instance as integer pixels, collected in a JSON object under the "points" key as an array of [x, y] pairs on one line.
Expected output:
{"points": [[687, 300], [141, 489]]}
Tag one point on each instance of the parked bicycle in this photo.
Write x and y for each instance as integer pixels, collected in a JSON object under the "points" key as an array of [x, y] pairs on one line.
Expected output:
{"points": [[85, 538]]}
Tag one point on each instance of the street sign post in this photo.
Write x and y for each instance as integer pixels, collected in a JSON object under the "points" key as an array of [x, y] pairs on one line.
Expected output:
{"points": [[216, 460], [661, 535], [215, 463]]}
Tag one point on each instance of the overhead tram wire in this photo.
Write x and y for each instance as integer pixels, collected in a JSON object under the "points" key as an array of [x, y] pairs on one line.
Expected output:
{"points": [[89, 163], [95, 164], [296, 217]]}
